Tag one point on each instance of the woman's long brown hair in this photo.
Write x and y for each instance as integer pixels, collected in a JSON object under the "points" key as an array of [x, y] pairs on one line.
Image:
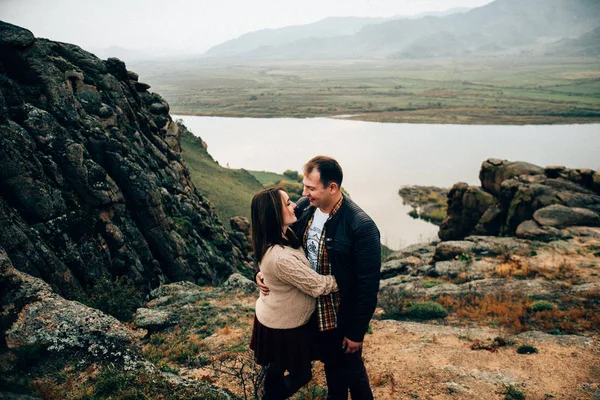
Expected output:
{"points": [[267, 221]]}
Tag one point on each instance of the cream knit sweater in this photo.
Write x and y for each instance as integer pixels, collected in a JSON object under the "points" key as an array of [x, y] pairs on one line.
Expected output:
{"points": [[293, 288]]}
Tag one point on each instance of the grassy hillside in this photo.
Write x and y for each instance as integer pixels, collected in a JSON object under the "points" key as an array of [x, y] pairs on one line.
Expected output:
{"points": [[229, 190]]}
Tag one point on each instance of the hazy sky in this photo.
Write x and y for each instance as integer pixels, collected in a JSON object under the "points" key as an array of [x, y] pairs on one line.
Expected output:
{"points": [[189, 25]]}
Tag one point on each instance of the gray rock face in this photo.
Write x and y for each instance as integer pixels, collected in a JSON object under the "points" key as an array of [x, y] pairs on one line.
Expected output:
{"points": [[92, 182], [240, 282], [32, 314], [466, 207], [524, 200], [154, 320], [168, 303], [488, 246], [494, 171], [533, 231], [15, 36], [559, 216]]}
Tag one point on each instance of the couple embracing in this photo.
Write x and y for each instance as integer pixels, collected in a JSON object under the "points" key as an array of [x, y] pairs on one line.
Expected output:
{"points": [[319, 269]]}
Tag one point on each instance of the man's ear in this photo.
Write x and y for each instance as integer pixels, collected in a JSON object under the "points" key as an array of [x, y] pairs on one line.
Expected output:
{"points": [[333, 187]]}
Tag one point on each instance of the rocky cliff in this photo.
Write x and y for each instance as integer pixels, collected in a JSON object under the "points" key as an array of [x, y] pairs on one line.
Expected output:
{"points": [[524, 200], [92, 181]]}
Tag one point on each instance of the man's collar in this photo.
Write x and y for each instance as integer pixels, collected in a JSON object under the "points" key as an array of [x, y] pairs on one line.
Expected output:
{"points": [[336, 207]]}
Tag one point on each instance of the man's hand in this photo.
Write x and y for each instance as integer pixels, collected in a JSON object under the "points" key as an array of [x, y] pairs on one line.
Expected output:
{"points": [[350, 347], [264, 289]]}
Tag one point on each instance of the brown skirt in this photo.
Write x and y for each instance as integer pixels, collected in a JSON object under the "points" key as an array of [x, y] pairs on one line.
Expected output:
{"points": [[291, 349]]}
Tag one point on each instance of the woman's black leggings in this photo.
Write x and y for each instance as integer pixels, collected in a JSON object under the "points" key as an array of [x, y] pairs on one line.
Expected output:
{"points": [[280, 387]]}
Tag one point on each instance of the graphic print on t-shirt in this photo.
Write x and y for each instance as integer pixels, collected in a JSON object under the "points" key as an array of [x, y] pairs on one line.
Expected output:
{"points": [[313, 237]]}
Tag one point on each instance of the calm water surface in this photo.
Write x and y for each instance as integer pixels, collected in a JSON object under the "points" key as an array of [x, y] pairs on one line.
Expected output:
{"points": [[380, 158]]}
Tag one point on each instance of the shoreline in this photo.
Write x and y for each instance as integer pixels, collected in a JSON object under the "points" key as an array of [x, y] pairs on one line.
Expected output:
{"points": [[409, 119]]}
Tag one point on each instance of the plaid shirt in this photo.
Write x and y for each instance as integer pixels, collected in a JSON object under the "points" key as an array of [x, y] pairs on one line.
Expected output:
{"points": [[327, 305]]}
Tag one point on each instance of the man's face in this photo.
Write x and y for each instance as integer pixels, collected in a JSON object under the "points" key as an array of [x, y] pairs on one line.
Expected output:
{"points": [[314, 190]]}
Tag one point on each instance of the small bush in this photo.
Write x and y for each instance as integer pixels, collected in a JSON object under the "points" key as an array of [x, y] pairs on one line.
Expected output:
{"points": [[426, 310], [312, 392], [527, 349], [468, 258], [512, 393], [118, 298], [541, 305], [393, 302]]}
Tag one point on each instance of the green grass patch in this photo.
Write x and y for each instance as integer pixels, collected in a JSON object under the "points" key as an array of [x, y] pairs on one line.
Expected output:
{"points": [[426, 310], [230, 191]]}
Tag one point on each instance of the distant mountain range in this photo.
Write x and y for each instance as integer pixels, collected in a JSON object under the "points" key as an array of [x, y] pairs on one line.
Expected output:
{"points": [[503, 27]]}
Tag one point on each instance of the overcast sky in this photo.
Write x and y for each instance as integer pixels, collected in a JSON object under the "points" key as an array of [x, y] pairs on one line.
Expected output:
{"points": [[190, 26]]}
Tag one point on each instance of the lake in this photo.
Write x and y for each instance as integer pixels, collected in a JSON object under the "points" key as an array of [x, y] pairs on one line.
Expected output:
{"points": [[379, 158]]}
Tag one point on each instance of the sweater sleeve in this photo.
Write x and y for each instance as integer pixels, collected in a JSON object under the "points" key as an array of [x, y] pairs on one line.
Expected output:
{"points": [[293, 271]]}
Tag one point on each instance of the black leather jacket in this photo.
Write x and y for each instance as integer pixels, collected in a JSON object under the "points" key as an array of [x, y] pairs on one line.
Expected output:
{"points": [[354, 251]]}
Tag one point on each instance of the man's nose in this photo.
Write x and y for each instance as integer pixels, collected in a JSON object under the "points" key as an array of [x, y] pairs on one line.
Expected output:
{"points": [[304, 192]]}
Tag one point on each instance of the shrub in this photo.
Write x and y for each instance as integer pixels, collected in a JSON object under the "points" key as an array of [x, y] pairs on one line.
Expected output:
{"points": [[312, 392], [512, 393], [426, 310], [541, 305], [466, 257], [393, 302], [118, 298], [293, 175], [527, 349]]}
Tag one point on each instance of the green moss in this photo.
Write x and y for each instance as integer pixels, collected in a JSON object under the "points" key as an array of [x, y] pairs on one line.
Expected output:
{"points": [[431, 283]]}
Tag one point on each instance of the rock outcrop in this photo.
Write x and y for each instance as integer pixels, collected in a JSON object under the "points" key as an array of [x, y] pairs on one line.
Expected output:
{"points": [[32, 314], [92, 181], [523, 200]]}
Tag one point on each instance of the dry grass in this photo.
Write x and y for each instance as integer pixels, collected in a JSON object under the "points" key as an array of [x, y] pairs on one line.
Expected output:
{"points": [[513, 312], [517, 268]]}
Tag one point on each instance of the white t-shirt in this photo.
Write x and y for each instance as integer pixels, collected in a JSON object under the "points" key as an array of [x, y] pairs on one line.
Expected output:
{"points": [[314, 237]]}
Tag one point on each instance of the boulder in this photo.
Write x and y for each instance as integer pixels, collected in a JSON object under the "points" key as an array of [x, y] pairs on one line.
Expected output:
{"points": [[240, 224], [15, 36], [238, 282], [178, 292], [494, 171], [453, 248], [466, 206], [402, 266], [34, 315], [559, 216], [531, 230], [154, 319]]}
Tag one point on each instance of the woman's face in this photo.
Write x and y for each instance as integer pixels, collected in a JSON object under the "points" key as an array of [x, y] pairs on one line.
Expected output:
{"points": [[288, 210]]}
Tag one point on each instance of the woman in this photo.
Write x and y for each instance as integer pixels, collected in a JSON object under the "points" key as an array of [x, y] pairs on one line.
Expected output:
{"points": [[281, 337]]}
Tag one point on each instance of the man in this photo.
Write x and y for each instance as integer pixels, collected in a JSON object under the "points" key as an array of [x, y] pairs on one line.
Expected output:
{"points": [[340, 239]]}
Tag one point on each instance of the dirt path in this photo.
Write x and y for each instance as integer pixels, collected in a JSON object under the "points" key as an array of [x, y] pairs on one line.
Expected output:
{"points": [[408, 360]]}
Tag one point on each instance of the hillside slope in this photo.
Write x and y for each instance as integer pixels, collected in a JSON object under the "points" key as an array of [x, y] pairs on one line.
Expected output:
{"points": [[230, 191]]}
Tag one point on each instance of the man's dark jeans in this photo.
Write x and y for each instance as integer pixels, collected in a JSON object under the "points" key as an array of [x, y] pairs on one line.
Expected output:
{"points": [[343, 371]]}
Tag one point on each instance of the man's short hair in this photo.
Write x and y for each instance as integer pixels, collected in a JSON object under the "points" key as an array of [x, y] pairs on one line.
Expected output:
{"points": [[330, 169]]}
